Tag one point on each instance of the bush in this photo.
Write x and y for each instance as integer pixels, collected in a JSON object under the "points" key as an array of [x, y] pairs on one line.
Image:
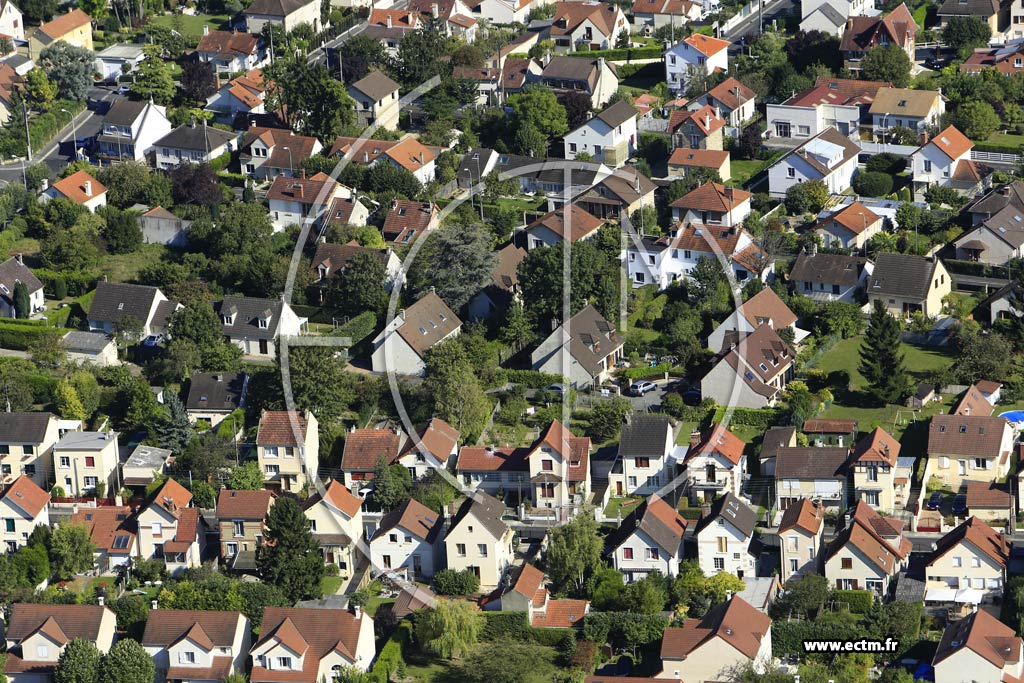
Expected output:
{"points": [[59, 288], [585, 657], [860, 602], [531, 379], [872, 184], [886, 163], [646, 371], [451, 582], [358, 328], [623, 629], [505, 626], [390, 656], [22, 334]]}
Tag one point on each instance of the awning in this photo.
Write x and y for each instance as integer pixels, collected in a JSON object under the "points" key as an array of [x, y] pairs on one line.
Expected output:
{"points": [[963, 595]]}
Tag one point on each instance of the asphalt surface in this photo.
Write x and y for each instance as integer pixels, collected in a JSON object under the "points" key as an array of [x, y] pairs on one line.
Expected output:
{"points": [[751, 23]]}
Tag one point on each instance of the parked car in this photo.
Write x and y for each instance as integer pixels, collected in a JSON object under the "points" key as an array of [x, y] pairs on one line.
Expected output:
{"points": [[153, 340], [934, 501], [960, 505], [556, 389], [124, 89], [692, 398], [642, 387]]}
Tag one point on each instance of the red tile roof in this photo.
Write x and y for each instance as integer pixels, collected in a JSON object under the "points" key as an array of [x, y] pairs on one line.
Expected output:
{"points": [[706, 45], [408, 219], [699, 158], [487, 459], [718, 439], [110, 528], [26, 495], [530, 583], [581, 223], [878, 446], [984, 635], [989, 495], [712, 197], [245, 505], [73, 187], [994, 545], [706, 119], [340, 497], [737, 622], [854, 217], [321, 631], [364, 446], [561, 614], [228, 43], [209, 628], [282, 428], [802, 515], [952, 143], [837, 91], [414, 517]]}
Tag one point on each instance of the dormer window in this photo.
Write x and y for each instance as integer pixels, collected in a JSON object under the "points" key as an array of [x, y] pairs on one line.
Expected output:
{"points": [[264, 323], [228, 319]]}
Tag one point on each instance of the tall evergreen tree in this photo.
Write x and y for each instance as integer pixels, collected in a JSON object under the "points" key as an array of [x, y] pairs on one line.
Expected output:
{"points": [[881, 357], [290, 558], [22, 302], [174, 430]]}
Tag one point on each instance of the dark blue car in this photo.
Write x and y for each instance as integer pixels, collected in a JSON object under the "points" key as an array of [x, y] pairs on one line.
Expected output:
{"points": [[960, 505], [934, 501]]}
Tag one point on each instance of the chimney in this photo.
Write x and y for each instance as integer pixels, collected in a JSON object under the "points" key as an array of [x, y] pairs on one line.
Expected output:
{"points": [[694, 438], [252, 123], [401, 314], [100, 600], [153, 604], [357, 611], [300, 191], [18, 257], [421, 158], [923, 140], [366, 157], [707, 120], [433, 10], [45, 185], [206, 29], [600, 64], [394, 203], [87, 188], [389, 20]]}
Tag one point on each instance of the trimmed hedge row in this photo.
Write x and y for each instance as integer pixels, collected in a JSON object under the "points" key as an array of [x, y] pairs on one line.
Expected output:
{"points": [[623, 629], [647, 371], [390, 655], [357, 328], [22, 334], [515, 626], [531, 379], [621, 54], [763, 418], [860, 602], [75, 282], [997, 149]]}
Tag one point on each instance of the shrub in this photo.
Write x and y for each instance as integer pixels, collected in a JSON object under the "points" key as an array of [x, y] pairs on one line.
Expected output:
{"points": [[451, 582], [585, 657], [886, 163], [358, 328], [860, 602], [390, 656], [872, 184], [505, 626], [22, 334]]}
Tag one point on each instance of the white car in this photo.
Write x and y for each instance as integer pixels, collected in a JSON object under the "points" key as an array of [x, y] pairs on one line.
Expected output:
{"points": [[153, 340], [641, 388]]}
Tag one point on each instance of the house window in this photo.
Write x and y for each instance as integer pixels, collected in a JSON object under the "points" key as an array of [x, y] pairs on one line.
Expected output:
{"points": [[30, 470], [239, 527], [312, 526], [547, 465], [273, 469], [460, 549], [958, 561], [871, 497], [28, 450], [975, 561], [270, 451], [284, 662], [723, 544], [627, 553], [719, 564], [392, 538], [42, 651], [9, 525], [188, 657], [90, 461], [157, 529], [651, 554], [791, 172], [791, 542], [847, 563], [943, 462], [631, 482], [643, 462], [90, 482], [482, 549], [794, 566], [982, 463], [927, 166]]}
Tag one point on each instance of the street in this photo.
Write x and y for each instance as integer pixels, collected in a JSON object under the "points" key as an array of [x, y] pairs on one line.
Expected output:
{"points": [[751, 23]]}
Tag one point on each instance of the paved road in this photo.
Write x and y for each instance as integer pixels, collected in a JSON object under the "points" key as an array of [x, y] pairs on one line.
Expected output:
{"points": [[319, 55], [750, 24]]}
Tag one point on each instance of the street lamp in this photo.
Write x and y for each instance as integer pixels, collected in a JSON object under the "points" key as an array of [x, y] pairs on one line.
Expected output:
{"points": [[74, 134], [291, 169], [479, 179]]}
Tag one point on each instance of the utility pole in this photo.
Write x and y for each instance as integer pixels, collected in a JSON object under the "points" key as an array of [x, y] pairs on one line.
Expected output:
{"points": [[28, 138]]}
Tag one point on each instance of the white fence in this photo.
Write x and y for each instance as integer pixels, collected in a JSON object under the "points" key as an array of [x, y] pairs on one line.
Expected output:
{"points": [[996, 157]]}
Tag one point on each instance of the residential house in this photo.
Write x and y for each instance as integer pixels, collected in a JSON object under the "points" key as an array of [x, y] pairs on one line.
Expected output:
{"points": [[1007, 59], [851, 227], [868, 553], [408, 220], [904, 284], [242, 95], [330, 260], [552, 227], [595, 77], [730, 100], [684, 160], [700, 128], [609, 138], [589, 344], [214, 396], [826, 432], [286, 14], [978, 647], [400, 346], [79, 188], [725, 538], [560, 470], [408, 154], [144, 464], [13, 272], [37, 634], [347, 211], [649, 539], [112, 533], [85, 461], [644, 462], [295, 201], [972, 402], [494, 470], [240, 515], [454, 16], [479, 540], [801, 533], [991, 501], [376, 98], [873, 464], [815, 472], [712, 205], [171, 530], [12, 23], [831, 277], [774, 438], [945, 160], [131, 128], [587, 25], [838, 103], [995, 241], [255, 325], [488, 83], [288, 449], [160, 226], [918, 110], [433, 446], [965, 448], [229, 52], [830, 157], [732, 635], [664, 260], [26, 440], [73, 28], [114, 61], [619, 195], [764, 308], [23, 507], [504, 11], [752, 373], [831, 16], [10, 80], [197, 645], [863, 33], [389, 27], [694, 57], [988, 11], [650, 15], [192, 144], [266, 153], [714, 464], [363, 448], [408, 540], [968, 565], [499, 294], [115, 301], [302, 645], [336, 519]]}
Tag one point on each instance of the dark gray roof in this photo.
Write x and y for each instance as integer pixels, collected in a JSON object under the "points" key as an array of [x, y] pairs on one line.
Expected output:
{"points": [[617, 114], [376, 85], [975, 8], [644, 435], [203, 138], [24, 427], [902, 275], [275, 8], [593, 339], [571, 69], [13, 271], [550, 170], [733, 510], [115, 300], [247, 313], [486, 509], [835, 269], [659, 527], [999, 198], [124, 112], [94, 342], [216, 391], [811, 462], [775, 438]]}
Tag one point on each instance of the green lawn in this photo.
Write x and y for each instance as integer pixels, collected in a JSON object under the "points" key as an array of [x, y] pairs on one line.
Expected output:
{"points": [[192, 26], [1007, 139], [846, 356], [743, 170], [626, 505], [330, 584], [126, 267]]}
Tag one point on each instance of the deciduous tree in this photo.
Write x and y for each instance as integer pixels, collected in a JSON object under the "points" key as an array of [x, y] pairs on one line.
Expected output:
{"points": [[126, 662], [198, 80], [449, 629], [887, 63], [70, 68], [574, 553], [79, 662], [71, 551], [455, 262]]}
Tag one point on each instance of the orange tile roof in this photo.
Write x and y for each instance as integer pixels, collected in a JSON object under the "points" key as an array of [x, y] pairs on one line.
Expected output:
{"points": [[282, 428], [973, 403], [436, 437], [994, 545], [984, 635], [702, 158], [581, 222], [486, 459], [26, 495], [172, 497], [64, 24], [854, 217], [110, 528], [878, 446], [364, 446], [706, 45], [561, 614], [73, 187], [410, 154], [767, 306], [399, 18], [340, 497], [530, 583], [705, 118], [712, 197], [737, 622], [952, 143], [251, 505], [802, 515], [718, 439]]}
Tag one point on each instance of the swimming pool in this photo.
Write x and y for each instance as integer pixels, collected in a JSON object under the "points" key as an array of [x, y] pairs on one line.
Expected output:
{"points": [[1014, 416]]}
